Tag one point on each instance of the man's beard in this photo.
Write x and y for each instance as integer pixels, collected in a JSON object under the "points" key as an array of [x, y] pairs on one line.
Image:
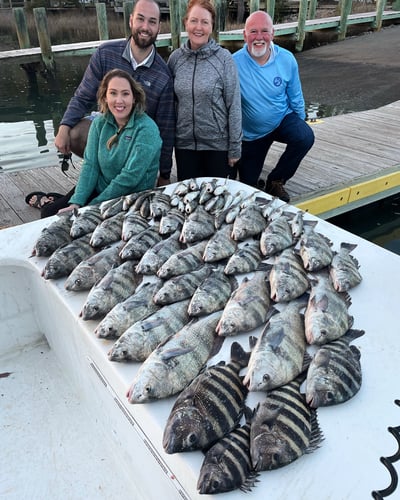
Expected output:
{"points": [[143, 44], [259, 52]]}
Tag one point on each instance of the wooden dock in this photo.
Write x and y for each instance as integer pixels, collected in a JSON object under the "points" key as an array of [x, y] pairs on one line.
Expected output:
{"points": [[354, 161]]}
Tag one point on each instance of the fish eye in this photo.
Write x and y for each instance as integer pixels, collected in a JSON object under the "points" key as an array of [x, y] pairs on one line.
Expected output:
{"points": [[192, 438], [148, 389], [266, 377], [329, 396], [78, 282]]}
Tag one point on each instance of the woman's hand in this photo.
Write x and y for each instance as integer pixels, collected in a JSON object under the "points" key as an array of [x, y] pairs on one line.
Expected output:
{"points": [[68, 209]]}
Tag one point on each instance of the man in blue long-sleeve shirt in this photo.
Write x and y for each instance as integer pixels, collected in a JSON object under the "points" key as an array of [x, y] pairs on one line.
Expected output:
{"points": [[272, 106], [139, 57]]}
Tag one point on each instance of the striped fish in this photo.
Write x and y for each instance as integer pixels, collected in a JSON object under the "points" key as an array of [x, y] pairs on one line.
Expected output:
{"points": [[116, 285], [287, 278], [187, 260], [248, 222], [245, 259], [155, 256], [220, 245], [276, 236], [278, 354], [140, 243], [159, 204], [344, 268], [140, 339], [227, 464], [171, 222], [85, 221], [64, 260], [314, 248], [247, 307], [132, 224], [108, 231], [137, 306], [52, 237], [209, 408], [283, 428], [334, 375], [197, 226], [112, 207]]}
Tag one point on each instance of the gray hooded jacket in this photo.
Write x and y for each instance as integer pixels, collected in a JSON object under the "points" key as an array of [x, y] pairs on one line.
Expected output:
{"points": [[207, 94]]}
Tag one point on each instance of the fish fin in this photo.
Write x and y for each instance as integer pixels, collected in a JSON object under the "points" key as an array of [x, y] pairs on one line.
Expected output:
{"points": [[218, 342], [173, 353], [239, 355], [317, 436]]}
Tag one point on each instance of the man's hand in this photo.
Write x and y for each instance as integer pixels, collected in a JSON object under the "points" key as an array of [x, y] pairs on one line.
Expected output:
{"points": [[163, 182], [62, 140]]}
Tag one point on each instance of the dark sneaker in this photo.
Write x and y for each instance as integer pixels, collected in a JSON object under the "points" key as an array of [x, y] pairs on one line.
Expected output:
{"points": [[275, 188]]}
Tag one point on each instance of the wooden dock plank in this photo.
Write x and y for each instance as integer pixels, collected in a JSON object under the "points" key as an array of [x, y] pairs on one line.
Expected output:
{"points": [[349, 150]]}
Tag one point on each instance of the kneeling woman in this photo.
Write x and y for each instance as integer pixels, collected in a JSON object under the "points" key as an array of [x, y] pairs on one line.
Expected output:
{"points": [[122, 154]]}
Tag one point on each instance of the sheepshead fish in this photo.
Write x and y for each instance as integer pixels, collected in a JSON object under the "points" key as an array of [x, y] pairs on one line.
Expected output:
{"points": [[297, 224], [220, 246], [155, 256], [209, 408], [314, 248], [171, 222], [180, 287], [140, 339], [64, 260], [334, 375], [287, 278], [137, 306], [136, 247], [108, 231], [197, 226], [187, 260], [132, 224], [276, 236], [245, 259], [88, 272], [344, 268], [176, 361], [277, 355], [326, 317], [159, 204], [116, 285], [248, 222], [247, 307], [227, 464], [85, 221], [56, 235], [212, 293], [283, 428], [112, 207]]}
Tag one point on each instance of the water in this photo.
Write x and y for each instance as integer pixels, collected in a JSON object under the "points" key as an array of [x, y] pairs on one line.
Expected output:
{"points": [[31, 111]]}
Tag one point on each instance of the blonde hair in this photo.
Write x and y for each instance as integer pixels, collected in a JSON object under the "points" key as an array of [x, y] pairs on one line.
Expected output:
{"points": [[139, 106]]}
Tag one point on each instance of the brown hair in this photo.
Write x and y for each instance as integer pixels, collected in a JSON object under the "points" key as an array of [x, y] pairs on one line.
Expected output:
{"points": [[205, 4], [139, 105], [152, 1]]}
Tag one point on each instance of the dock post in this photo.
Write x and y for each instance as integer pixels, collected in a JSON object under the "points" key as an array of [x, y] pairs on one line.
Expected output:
{"points": [[312, 9], [22, 28], [345, 10], [270, 4], [301, 33], [380, 6], [220, 8], [175, 17], [102, 25], [44, 39], [128, 7], [255, 5]]}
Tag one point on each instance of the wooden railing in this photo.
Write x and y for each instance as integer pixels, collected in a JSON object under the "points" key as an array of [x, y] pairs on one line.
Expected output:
{"points": [[306, 22]]}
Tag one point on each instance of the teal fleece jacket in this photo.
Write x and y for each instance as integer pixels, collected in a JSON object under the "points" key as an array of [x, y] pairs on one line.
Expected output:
{"points": [[130, 165]]}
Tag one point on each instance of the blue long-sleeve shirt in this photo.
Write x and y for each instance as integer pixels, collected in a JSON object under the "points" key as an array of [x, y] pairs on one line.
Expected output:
{"points": [[155, 78], [269, 92]]}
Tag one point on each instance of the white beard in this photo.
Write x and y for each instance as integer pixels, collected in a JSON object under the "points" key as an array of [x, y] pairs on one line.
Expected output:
{"points": [[259, 52]]}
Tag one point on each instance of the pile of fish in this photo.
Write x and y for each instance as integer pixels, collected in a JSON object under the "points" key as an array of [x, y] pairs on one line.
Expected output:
{"points": [[173, 273]]}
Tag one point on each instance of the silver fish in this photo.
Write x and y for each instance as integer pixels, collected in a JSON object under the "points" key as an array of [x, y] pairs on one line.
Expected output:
{"points": [[180, 287], [288, 278], [297, 224], [141, 338], [245, 259], [344, 268], [185, 261], [159, 204], [52, 237], [247, 307], [110, 208], [212, 293], [249, 222], [64, 260], [176, 361], [220, 245], [108, 231], [227, 464], [88, 272], [314, 248], [283, 428], [132, 224], [129, 200], [117, 285], [136, 247], [209, 407], [85, 221], [326, 317], [137, 306], [155, 256], [277, 356], [171, 222], [276, 236], [334, 375], [198, 226]]}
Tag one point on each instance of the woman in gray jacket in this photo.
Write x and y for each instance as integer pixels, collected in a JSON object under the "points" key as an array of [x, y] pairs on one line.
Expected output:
{"points": [[207, 93]]}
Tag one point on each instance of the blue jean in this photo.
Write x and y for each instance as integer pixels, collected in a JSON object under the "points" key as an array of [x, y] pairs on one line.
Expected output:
{"points": [[292, 131]]}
